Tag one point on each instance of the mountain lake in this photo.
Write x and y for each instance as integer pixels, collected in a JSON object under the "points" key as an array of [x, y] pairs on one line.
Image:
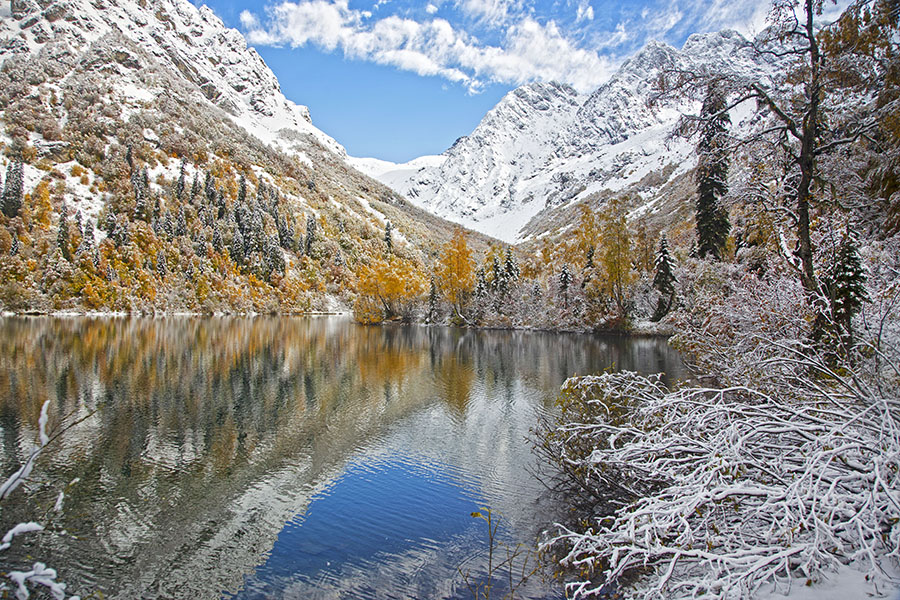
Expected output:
{"points": [[283, 457]]}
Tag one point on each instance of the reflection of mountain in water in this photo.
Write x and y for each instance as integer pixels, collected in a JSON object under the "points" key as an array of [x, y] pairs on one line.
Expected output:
{"points": [[211, 434]]}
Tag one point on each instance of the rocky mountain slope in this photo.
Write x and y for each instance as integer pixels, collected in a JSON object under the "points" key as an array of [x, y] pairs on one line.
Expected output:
{"points": [[169, 142], [544, 147]]}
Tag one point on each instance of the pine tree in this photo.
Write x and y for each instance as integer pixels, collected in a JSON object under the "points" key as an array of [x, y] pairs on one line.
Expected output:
{"points": [[129, 158], [14, 246], [221, 204], [712, 174], [565, 280], [664, 280], [845, 286], [209, 188], [13, 190], [388, 237], [62, 235], [481, 287], [161, 267]]}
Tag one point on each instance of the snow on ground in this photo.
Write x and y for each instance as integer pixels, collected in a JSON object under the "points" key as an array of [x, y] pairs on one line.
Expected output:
{"points": [[845, 584]]}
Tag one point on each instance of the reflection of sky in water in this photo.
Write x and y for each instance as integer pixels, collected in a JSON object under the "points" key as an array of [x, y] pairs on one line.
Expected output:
{"points": [[370, 529]]}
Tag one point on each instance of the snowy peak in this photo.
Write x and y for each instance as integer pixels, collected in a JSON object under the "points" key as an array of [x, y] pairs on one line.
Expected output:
{"points": [[544, 145], [193, 41]]}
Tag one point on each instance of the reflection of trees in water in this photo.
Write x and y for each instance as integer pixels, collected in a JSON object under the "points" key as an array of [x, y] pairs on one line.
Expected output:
{"points": [[194, 411]]}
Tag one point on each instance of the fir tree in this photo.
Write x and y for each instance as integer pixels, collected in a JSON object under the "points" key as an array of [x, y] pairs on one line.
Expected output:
{"points": [[209, 188], [129, 158], [161, 267], [712, 173], [13, 190], [565, 279], [664, 280], [388, 237], [14, 246], [62, 235], [845, 286]]}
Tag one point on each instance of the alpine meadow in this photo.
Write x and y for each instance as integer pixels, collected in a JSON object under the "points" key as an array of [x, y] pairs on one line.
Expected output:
{"points": [[636, 335]]}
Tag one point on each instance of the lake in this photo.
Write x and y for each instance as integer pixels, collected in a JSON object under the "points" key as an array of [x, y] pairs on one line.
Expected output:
{"points": [[283, 457]]}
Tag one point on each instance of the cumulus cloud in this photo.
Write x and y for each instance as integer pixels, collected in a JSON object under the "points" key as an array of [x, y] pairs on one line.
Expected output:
{"points": [[529, 50], [431, 9]]}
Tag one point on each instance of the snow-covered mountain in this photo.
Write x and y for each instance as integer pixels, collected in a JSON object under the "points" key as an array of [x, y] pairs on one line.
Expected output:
{"points": [[192, 41], [544, 146]]}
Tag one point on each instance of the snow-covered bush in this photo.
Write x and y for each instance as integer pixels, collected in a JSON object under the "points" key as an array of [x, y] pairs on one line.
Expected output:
{"points": [[787, 468]]}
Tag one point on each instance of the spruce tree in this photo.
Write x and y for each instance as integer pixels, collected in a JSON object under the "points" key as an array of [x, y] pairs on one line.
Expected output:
{"points": [[565, 279], [845, 286], [310, 234], [511, 267], [195, 188], [242, 191], [13, 190], [712, 175], [180, 184], [432, 301], [664, 280], [161, 267], [237, 248], [14, 247], [181, 224], [62, 234], [388, 237]]}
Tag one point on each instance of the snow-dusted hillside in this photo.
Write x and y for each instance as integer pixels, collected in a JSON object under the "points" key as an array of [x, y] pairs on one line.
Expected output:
{"points": [[192, 41], [544, 145]]}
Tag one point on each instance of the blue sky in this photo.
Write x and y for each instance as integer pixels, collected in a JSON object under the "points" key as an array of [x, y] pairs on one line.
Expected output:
{"points": [[396, 79]]}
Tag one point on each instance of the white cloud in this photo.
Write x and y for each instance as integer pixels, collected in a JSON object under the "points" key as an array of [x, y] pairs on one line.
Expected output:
{"points": [[492, 12], [585, 12], [529, 50], [249, 20], [431, 9]]}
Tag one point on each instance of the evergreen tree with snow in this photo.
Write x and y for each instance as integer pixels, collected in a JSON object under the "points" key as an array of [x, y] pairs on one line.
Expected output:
{"points": [[13, 190], [195, 188], [242, 191], [237, 248], [310, 234], [181, 224], [140, 195], [712, 176], [161, 267], [180, 184], [481, 287], [62, 234], [388, 237], [565, 280], [221, 204], [664, 280], [209, 188], [844, 283], [217, 241], [511, 267], [432, 301], [14, 246]]}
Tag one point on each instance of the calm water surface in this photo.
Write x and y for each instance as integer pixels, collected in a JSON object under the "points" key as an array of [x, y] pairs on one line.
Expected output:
{"points": [[282, 457]]}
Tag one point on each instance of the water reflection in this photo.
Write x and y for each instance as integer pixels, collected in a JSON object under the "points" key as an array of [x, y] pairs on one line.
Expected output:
{"points": [[215, 451]]}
